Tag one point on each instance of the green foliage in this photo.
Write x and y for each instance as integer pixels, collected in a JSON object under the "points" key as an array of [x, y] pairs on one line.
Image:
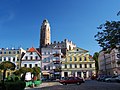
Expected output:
{"points": [[25, 70], [108, 38], [18, 85], [36, 71], [7, 65], [95, 57], [17, 72]]}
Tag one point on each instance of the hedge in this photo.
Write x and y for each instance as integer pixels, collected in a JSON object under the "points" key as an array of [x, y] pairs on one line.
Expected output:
{"points": [[18, 85]]}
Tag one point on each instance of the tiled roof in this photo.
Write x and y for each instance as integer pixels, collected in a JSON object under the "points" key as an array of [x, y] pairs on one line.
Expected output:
{"points": [[32, 49]]}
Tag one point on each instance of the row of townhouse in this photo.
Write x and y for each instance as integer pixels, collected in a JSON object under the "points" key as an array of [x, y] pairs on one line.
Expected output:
{"points": [[109, 63], [53, 63], [77, 62], [21, 58]]}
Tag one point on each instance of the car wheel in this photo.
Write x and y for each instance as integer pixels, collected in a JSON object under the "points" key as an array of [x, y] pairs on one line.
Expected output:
{"points": [[78, 83], [108, 81], [64, 84]]}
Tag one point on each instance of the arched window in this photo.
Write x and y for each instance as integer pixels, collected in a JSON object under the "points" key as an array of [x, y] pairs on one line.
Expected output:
{"points": [[36, 57], [75, 59], [31, 58], [26, 58], [70, 58], [80, 59], [85, 59]]}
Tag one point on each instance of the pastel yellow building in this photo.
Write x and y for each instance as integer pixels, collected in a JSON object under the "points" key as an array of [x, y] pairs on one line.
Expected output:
{"points": [[79, 63]]}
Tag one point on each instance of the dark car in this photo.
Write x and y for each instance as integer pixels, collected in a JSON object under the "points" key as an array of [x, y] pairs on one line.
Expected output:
{"points": [[71, 80]]}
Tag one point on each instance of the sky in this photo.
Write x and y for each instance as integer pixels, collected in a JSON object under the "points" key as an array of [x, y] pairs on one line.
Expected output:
{"points": [[75, 20]]}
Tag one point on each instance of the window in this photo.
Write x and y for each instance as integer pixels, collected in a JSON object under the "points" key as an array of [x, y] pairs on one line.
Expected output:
{"points": [[70, 58], [25, 65], [90, 65], [31, 58], [0, 58], [45, 53], [48, 67], [85, 65], [31, 53], [75, 65], [0, 52], [5, 52], [80, 59], [13, 59], [18, 52], [30, 65], [36, 65], [65, 66], [48, 60], [84, 58], [9, 59], [70, 65], [17, 59], [44, 67], [48, 52], [9, 52], [80, 65], [4, 58], [26, 58], [36, 57], [75, 58], [17, 66]]}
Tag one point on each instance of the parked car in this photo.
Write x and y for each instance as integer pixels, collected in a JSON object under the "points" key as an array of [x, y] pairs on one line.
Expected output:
{"points": [[100, 77], [118, 78], [112, 79], [71, 80]]}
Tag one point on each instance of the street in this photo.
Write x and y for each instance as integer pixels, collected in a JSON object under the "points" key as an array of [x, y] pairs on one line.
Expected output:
{"points": [[88, 85]]}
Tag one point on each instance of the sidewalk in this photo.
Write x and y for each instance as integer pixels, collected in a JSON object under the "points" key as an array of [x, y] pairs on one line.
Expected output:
{"points": [[45, 84]]}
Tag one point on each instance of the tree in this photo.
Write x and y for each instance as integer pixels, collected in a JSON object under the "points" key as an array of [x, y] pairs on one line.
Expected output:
{"points": [[5, 66], [24, 70], [36, 71], [95, 57], [109, 37]]}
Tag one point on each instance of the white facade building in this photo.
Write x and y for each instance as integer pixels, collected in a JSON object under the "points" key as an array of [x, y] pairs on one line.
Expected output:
{"points": [[108, 63], [13, 55], [51, 62], [31, 58]]}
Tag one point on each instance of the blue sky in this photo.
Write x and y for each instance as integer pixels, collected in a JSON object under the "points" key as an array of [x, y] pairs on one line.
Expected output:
{"points": [[76, 20]]}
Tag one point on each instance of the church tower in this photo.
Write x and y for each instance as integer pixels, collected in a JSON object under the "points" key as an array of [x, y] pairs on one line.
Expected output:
{"points": [[45, 38]]}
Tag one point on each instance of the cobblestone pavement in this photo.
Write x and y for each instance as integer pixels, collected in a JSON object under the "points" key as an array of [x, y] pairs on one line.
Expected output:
{"points": [[88, 85]]}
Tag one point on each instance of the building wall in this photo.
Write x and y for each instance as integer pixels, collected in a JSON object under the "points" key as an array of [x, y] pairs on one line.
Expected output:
{"points": [[50, 61], [108, 63], [78, 63], [12, 55], [31, 59]]}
